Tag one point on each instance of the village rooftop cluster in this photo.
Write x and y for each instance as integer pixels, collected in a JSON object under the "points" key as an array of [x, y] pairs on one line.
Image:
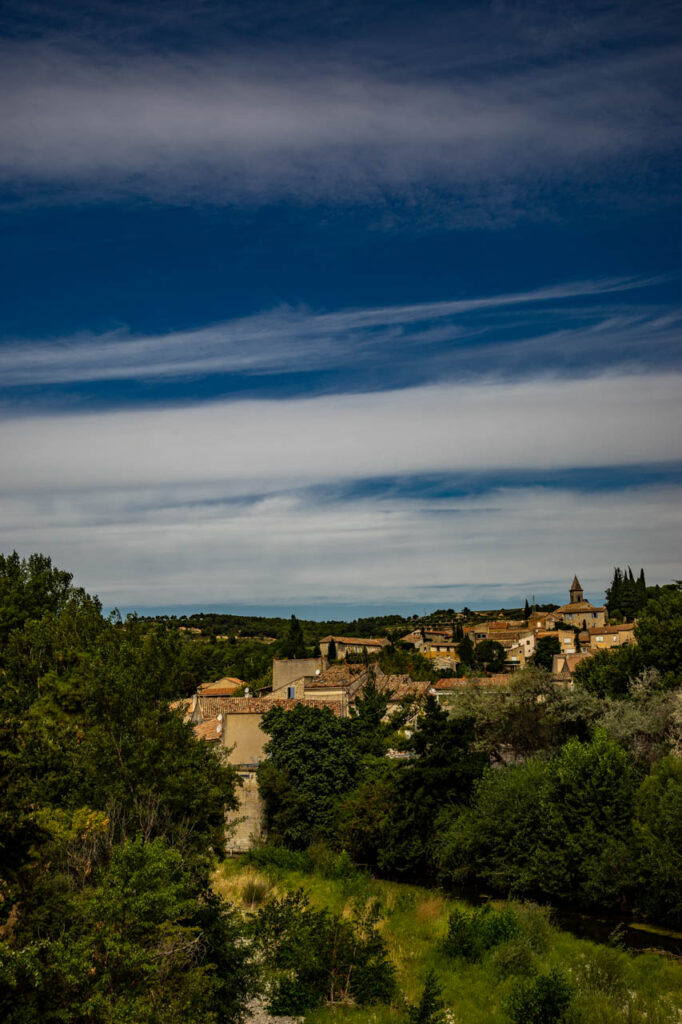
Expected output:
{"points": [[227, 713]]}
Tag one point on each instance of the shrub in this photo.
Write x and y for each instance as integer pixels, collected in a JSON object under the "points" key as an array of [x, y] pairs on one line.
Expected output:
{"points": [[471, 932], [318, 956], [605, 970], [544, 999], [515, 957], [271, 856], [254, 891]]}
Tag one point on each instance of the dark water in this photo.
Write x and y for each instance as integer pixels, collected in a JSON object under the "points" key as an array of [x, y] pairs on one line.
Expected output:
{"points": [[632, 935]]}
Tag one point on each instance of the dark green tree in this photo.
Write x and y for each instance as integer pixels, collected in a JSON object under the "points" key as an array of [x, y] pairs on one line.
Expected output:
{"points": [[489, 655], [465, 650], [331, 650], [545, 649], [429, 1009], [610, 673], [442, 773], [585, 849], [29, 588], [311, 764], [658, 829], [144, 940], [293, 644], [492, 842], [316, 957], [659, 635], [368, 731]]}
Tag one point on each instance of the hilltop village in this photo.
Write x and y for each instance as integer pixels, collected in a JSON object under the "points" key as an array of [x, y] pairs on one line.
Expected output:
{"points": [[481, 654]]}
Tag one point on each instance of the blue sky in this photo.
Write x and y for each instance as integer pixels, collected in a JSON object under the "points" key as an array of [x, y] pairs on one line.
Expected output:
{"points": [[341, 306]]}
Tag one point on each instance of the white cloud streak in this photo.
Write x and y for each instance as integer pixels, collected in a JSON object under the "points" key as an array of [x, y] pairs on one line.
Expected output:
{"points": [[221, 502], [283, 125], [605, 420], [291, 549], [289, 340]]}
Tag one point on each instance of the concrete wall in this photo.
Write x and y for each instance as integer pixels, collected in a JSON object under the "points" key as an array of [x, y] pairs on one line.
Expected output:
{"points": [[286, 671]]}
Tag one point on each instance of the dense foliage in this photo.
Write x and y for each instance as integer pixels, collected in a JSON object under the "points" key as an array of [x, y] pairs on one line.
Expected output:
{"points": [[567, 795], [316, 956], [111, 811]]}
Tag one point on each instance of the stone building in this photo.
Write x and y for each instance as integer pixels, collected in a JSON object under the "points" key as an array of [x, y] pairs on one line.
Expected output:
{"points": [[579, 612], [353, 645]]}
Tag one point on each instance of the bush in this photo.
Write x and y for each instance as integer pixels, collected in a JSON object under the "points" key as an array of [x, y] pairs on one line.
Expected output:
{"points": [[329, 863], [270, 856], [515, 957], [605, 970], [321, 957], [471, 933], [540, 1000]]}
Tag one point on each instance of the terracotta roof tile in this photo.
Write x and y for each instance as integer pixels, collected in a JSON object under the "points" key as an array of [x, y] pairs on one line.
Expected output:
{"points": [[208, 730], [221, 687], [259, 705]]}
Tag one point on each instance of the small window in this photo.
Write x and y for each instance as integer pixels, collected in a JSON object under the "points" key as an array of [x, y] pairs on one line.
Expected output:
{"points": [[291, 692]]}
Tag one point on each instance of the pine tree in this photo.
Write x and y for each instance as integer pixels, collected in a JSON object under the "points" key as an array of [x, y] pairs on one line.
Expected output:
{"points": [[293, 644], [429, 1009]]}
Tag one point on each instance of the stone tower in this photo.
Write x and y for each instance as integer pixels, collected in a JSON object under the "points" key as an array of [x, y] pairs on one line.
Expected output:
{"points": [[576, 591]]}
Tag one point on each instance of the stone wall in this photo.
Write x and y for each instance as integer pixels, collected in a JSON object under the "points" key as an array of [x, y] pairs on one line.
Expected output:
{"points": [[245, 825]]}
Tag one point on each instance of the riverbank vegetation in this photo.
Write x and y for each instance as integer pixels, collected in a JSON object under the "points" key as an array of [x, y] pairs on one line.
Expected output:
{"points": [[497, 963]]}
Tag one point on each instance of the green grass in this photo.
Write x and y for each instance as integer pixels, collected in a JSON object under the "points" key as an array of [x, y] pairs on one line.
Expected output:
{"points": [[611, 986]]}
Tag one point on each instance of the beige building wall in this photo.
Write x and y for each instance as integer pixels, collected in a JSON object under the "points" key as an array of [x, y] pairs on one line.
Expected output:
{"points": [[328, 693], [595, 617], [243, 738], [286, 671], [611, 637]]}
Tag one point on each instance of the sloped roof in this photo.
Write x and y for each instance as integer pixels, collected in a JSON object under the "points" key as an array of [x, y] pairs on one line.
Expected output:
{"points": [[208, 730], [401, 686], [185, 704], [458, 683], [338, 676], [575, 585], [259, 705], [363, 641], [579, 606], [221, 687]]}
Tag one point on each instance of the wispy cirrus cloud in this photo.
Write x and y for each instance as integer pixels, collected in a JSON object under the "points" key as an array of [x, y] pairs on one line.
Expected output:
{"points": [[275, 125], [578, 326]]}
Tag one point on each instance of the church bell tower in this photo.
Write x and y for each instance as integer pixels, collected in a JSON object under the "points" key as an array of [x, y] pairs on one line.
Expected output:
{"points": [[576, 591]]}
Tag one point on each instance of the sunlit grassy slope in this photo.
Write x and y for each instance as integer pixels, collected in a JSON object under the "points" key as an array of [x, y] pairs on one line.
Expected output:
{"points": [[611, 986]]}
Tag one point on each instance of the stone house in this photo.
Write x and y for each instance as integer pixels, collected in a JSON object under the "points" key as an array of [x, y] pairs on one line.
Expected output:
{"points": [[579, 612], [353, 645], [605, 637]]}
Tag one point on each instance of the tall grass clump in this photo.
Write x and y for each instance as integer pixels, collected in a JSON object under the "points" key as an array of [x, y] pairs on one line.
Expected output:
{"points": [[472, 932]]}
